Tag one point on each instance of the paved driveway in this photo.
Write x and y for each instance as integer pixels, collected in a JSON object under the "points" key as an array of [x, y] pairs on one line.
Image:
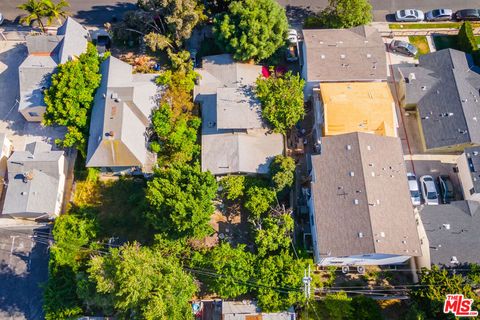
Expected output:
{"points": [[23, 267]]}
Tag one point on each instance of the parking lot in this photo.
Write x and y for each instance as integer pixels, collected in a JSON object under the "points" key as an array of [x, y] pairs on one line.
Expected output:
{"points": [[23, 267]]}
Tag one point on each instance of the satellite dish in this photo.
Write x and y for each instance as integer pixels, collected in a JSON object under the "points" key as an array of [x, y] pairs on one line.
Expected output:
{"points": [[361, 269], [345, 269]]}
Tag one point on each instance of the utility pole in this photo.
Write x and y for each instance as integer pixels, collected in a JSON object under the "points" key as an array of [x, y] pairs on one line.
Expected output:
{"points": [[306, 282]]}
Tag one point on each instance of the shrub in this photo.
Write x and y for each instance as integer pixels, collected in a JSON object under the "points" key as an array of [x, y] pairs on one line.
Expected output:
{"points": [[466, 39]]}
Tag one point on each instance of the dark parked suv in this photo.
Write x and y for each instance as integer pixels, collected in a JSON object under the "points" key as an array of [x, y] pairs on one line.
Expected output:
{"points": [[468, 14], [446, 189], [403, 47]]}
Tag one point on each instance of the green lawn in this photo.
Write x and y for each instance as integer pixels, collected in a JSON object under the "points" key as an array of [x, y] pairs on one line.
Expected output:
{"points": [[438, 25], [421, 43]]}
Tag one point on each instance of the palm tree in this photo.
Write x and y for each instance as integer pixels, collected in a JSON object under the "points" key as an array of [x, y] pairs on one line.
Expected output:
{"points": [[55, 11], [35, 10]]}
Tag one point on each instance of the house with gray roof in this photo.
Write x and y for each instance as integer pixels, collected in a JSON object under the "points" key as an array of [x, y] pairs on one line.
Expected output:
{"points": [[468, 165], [235, 139], [248, 310], [342, 55], [36, 182], [120, 117], [453, 232], [444, 91], [45, 52], [359, 204]]}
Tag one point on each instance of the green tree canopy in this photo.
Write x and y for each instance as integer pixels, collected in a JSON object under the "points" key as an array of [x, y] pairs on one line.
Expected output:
{"points": [[177, 139], [365, 308], [180, 199], [346, 14], [259, 200], [282, 170], [60, 300], [174, 19], [279, 279], [234, 267], [70, 97], [252, 29], [435, 284], [282, 100], [72, 235], [466, 38], [232, 187], [274, 234], [338, 306], [143, 282]]}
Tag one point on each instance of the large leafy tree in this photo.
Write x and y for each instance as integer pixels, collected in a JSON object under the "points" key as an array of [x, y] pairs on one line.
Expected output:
{"points": [[252, 29], [282, 100], [170, 21], [435, 284], [259, 200], [73, 236], [70, 97], [234, 268], [177, 138], [338, 305], [180, 199], [346, 14], [274, 234], [232, 187], [143, 282], [279, 282], [282, 170]]}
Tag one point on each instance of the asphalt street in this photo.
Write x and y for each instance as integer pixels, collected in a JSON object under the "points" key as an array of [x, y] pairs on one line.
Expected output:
{"points": [[97, 12], [89, 12]]}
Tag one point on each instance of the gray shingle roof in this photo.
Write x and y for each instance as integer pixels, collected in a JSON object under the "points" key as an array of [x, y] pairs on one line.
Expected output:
{"points": [[356, 54], [120, 116], [445, 87], [473, 159], [453, 230], [34, 181], [45, 52], [234, 137], [242, 310], [360, 187]]}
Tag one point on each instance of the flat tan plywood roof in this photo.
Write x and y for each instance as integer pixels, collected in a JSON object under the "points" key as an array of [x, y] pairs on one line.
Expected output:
{"points": [[358, 107]]}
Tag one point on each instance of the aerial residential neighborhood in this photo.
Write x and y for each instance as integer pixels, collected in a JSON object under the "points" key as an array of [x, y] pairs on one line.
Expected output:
{"points": [[241, 159]]}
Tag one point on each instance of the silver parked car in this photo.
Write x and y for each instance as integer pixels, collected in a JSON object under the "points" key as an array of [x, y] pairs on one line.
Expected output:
{"points": [[439, 15], [414, 190], [429, 190], [409, 15]]}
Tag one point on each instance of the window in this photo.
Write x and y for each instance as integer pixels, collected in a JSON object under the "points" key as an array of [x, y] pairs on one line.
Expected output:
{"points": [[33, 114], [472, 191]]}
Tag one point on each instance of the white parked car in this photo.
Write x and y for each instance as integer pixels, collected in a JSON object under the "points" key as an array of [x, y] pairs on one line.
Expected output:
{"points": [[409, 15], [429, 190], [292, 36], [414, 190], [1, 18]]}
